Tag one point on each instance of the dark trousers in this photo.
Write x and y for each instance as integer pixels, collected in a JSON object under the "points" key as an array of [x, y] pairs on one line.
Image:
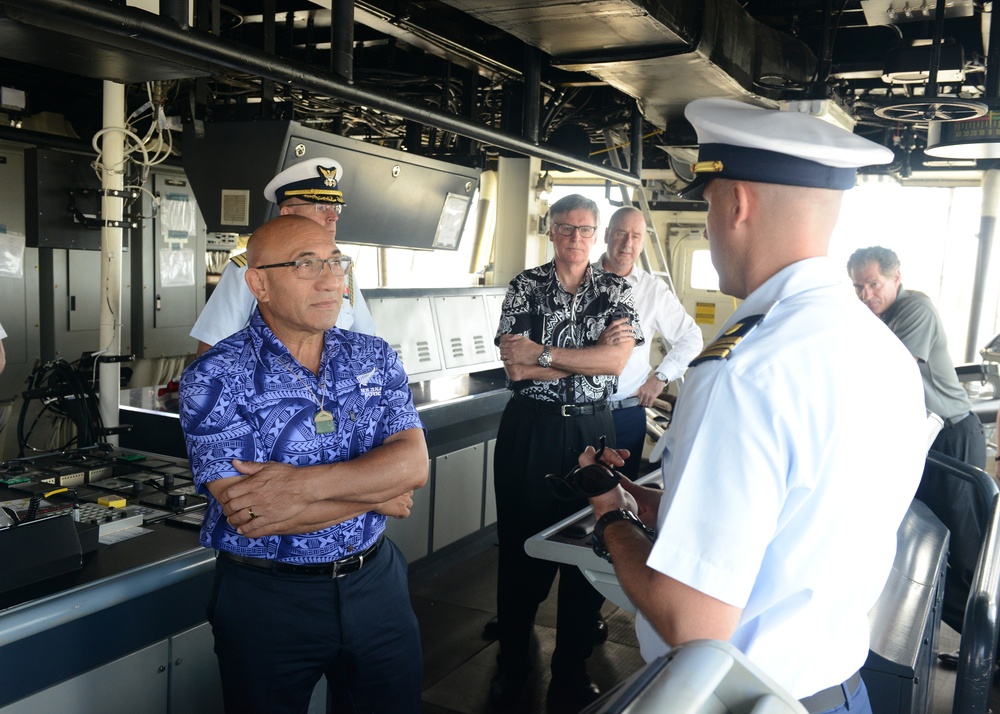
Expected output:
{"points": [[277, 634], [530, 445], [856, 703], [630, 433], [957, 505]]}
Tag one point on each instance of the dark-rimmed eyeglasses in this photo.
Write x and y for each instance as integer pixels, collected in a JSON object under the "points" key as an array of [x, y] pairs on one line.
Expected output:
{"points": [[567, 229], [310, 268], [584, 481], [321, 207]]}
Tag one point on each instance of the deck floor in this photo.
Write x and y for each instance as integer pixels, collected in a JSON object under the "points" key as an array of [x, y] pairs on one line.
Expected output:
{"points": [[453, 604]]}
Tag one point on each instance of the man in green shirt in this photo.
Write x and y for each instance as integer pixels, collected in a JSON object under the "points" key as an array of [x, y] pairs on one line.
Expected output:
{"points": [[912, 318]]}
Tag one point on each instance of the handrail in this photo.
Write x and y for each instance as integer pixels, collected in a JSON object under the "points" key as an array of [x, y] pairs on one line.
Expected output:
{"points": [[981, 625]]}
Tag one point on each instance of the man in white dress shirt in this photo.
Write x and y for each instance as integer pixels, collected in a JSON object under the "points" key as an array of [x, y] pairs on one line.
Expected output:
{"points": [[309, 188], [776, 526], [659, 310]]}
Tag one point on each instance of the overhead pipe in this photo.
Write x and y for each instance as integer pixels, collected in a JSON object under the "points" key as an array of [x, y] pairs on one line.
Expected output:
{"points": [[938, 37], [532, 94], [112, 212], [270, 27], [826, 50], [139, 25], [636, 153], [342, 40]]}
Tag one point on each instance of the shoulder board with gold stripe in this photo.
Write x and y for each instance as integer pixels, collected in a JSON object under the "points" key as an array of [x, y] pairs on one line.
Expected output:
{"points": [[723, 347], [239, 260]]}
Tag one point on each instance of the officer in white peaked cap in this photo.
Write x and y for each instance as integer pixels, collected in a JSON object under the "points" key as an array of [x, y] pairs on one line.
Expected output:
{"points": [[776, 526], [308, 188], [312, 180], [740, 141]]}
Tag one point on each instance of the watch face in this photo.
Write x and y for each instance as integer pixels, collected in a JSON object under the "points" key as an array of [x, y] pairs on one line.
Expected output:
{"points": [[545, 359]]}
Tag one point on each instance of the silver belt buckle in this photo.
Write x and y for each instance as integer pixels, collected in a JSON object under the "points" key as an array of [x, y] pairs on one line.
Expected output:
{"points": [[564, 408], [336, 568]]}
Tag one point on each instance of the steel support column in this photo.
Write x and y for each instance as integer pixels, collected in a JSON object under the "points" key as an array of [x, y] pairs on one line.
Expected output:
{"points": [[987, 228]]}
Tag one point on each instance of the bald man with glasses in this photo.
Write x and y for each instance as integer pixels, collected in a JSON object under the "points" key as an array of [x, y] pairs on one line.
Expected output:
{"points": [[304, 438], [310, 188]]}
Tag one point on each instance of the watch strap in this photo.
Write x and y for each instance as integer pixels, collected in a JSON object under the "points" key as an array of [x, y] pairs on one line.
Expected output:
{"points": [[597, 539], [545, 359]]}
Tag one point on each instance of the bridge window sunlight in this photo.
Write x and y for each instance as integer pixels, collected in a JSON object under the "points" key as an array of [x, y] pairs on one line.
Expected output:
{"points": [[703, 274]]}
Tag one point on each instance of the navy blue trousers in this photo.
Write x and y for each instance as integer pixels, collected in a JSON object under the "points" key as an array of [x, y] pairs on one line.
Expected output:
{"points": [[630, 433], [857, 703], [277, 634]]}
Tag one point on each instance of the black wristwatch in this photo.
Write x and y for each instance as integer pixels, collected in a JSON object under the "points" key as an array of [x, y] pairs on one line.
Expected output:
{"points": [[597, 539]]}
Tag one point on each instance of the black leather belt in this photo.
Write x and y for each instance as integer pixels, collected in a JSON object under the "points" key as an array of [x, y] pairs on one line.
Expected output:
{"points": [[832, 696], [566, 410], [626, 403], [335, 569]]}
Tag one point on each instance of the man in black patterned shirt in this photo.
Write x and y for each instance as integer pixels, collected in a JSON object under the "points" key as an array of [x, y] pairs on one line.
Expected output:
{"points": [[566, 331]]}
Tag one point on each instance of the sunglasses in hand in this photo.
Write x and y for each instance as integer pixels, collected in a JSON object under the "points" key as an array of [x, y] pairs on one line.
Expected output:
{"points": [[584, 481]]}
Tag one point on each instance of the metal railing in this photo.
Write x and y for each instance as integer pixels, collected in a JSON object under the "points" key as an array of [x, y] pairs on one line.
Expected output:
{"points": [[981, 624]]}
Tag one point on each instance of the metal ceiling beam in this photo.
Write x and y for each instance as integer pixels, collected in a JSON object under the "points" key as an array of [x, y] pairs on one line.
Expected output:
{"points": [[141, 26]]}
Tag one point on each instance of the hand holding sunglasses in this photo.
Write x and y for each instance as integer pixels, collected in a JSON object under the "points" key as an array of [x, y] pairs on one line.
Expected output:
{"points": [[586, 481]]}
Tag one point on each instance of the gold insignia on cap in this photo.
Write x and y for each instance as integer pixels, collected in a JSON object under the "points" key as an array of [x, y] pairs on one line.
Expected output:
{"points": [[706, 167], [724, 346], [329, 175], [317, 194]]}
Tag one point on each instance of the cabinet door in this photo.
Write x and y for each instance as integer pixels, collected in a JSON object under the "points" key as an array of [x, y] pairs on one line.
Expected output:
{"points": [[134, 683], [194, 672], [458, 494]]}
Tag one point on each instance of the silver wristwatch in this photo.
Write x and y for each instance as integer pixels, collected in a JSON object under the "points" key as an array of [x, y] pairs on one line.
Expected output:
{"points": [[661, 376], [545, 359]]}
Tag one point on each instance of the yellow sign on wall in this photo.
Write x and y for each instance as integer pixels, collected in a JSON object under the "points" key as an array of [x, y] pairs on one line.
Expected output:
{"points": [[704, 313]]}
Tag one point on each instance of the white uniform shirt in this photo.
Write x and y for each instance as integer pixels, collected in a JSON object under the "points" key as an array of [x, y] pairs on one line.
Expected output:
{"points": [[660, 310], [229, 308], [783, 491], [3, 334]]}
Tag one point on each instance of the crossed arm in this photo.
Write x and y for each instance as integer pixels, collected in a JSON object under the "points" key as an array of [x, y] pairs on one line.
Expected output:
{"points": [[520, 355], [300, 499]]}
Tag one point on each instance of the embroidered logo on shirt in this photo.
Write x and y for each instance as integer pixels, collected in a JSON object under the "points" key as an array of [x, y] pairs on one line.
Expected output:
{"points": [[723, 347], [374, 390]]}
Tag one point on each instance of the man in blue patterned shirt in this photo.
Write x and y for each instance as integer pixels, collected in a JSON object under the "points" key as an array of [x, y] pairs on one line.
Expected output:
{"points": [[566, 330], [305, 438]]}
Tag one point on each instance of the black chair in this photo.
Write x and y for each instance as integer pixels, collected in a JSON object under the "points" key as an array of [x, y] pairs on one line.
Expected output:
{"points": [[981, 626]]}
